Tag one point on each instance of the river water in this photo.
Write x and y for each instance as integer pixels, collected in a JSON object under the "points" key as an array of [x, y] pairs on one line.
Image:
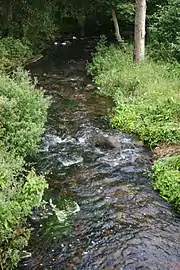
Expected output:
{"points": [[101, 211]]}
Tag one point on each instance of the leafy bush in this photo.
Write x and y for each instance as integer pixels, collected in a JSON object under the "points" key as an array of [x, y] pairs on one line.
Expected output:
{"points": [[126, 12], [18, 195], [23, 111], [39, 26], [13, 53], [154, 123], [167, 178], [165, 32]]}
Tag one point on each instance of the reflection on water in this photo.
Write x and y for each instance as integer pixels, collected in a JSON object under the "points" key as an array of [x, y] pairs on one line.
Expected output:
{"points": [[113, 218]]}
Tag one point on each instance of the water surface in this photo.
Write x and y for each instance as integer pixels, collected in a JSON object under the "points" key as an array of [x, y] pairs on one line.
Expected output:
{"points": [[113, 218]]}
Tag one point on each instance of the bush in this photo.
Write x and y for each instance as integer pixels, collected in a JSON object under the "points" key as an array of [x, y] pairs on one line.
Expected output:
{"points": [[18, 196], [13, 53], [39, 26], [167, 178], [146, 96], [23, 111], [165, 32], [154, 123]]}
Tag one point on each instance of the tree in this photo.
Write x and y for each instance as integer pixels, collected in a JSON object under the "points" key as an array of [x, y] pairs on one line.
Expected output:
{"points": [[118, 10], [116, 26], [139, 31], [165, 32]]}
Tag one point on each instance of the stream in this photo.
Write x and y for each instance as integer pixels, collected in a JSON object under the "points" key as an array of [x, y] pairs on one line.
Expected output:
{"points": [[101, 210]]}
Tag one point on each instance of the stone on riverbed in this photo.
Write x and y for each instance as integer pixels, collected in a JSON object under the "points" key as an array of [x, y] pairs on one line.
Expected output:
{"points": [[106, 142], [89, 87]]}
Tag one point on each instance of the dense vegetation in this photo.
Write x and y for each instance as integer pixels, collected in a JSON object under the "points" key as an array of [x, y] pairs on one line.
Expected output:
{"points": [[164, 32], [146, 96], [22, 117]]}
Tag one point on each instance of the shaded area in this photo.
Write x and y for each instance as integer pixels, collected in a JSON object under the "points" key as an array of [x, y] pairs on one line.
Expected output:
{"points": [[122, 222]]}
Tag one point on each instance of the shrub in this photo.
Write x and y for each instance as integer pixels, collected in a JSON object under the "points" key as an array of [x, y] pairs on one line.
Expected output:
{"points": [[23, 111], [18, 196], [146, 96], [154, 123], [13, 53], [39, 26], [165, 32], [167, 178]]}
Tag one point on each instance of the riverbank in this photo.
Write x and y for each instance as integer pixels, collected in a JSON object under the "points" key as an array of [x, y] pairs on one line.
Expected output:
{"points": [[147, 103], [22, 117]]}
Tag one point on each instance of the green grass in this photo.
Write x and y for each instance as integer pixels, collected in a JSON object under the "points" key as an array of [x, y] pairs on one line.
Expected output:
{"points": [[146, 97]]}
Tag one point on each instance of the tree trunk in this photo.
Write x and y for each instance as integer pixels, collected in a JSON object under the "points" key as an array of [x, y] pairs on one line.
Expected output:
{"points": [[116, 26], [139, 31]]}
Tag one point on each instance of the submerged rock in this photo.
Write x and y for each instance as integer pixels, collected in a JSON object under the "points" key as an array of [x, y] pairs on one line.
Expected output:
{"points": [[89, 87], [106, 142]]}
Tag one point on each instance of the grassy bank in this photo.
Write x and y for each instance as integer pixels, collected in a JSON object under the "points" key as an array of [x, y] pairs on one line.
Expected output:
{"points": [[22, 116], [147, 103]]}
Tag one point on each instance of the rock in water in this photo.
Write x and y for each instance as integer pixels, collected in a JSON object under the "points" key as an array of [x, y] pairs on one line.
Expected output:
{"points": [[89, 87], [106, 142]]}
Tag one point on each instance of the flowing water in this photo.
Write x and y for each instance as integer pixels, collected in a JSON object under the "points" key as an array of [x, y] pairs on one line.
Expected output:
{"points": [[101, 212]]}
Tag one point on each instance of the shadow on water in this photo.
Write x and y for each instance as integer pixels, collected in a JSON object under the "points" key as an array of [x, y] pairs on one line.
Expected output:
{"points": [[102, 212]]}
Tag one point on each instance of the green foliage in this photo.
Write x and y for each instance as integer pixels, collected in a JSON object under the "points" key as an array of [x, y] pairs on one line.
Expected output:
{"points": [[126, 11], [165, 32], [167, 178], [23, 111], [146, 96], [154, 5], [32, 21], [154, 123], [13, 53], [39, 26], [18, 195]]}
